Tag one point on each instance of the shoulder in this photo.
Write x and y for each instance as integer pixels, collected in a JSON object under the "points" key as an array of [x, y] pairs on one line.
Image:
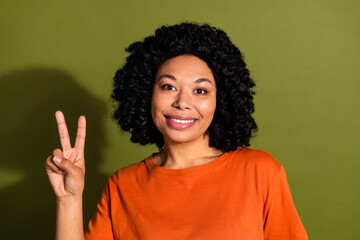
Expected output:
{"points": [[257, 157], [256, 160], [130, 172]]}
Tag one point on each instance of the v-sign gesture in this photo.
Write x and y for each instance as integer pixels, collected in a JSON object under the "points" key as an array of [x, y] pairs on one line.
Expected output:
{"points": [[66, 167]]}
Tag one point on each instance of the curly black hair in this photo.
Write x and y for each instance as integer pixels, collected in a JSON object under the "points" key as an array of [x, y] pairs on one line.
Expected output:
{"points": [[232, 125]]}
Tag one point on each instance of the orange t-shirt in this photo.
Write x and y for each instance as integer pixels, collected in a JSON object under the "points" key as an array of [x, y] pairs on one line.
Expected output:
{"points": [[241, 195]]}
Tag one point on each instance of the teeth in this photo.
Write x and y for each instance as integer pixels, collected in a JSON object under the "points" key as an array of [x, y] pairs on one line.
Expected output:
{"points": [[181, 121]]}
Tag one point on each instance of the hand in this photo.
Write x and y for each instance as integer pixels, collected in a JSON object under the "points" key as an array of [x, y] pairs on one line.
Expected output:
{"points": [[66, 167]]}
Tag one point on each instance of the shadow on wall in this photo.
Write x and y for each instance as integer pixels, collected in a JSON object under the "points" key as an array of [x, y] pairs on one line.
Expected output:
{"points": [[28, 101]]}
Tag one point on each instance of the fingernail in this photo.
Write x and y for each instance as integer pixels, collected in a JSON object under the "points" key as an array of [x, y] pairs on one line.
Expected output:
{"points": [[57, 159]]}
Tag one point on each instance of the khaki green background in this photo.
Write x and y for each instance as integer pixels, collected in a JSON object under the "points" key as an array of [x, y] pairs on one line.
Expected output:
{"points": [[303, 55]]}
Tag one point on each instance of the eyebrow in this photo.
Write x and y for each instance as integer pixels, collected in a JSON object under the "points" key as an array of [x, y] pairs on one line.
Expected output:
{"points": [[203, 80], [199, 80], [167, 76]]}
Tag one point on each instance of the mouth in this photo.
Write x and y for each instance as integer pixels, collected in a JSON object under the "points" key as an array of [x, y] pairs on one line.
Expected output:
{"points": [[180, 122]]}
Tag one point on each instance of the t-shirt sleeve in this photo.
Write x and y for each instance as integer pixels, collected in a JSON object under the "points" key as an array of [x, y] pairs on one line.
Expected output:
{"points": [[100, 226], [281, 220]]}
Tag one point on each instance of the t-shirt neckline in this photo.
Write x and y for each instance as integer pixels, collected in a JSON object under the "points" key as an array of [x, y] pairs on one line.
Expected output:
{"points": [[151, 163]]}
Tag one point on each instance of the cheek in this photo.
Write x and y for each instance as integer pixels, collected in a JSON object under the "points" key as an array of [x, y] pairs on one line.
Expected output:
{"points": [[154, 108], [158, 105], [155, 102], [207, 108]]}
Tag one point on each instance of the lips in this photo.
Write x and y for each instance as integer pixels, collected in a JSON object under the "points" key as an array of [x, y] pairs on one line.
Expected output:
{"points": [[180, 122]]}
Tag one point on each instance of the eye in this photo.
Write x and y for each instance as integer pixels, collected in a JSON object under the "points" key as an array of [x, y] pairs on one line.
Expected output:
{"points": [[200, 91], [168, 87]]}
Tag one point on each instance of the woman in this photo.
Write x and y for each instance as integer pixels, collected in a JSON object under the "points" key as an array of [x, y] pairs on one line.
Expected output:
{"points": [[186, 89]]}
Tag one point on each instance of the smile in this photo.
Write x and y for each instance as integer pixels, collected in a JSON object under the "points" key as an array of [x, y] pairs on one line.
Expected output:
{"points": [[182, 121]]}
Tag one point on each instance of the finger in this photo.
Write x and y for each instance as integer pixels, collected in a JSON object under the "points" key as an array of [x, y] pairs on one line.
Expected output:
{"points": [[81, 134], [58, 153], [50, 166], [65, 165], [63, 131]]}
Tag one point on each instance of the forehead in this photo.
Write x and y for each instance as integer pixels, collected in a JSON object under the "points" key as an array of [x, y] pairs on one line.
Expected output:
{"points": [[186, 66]]}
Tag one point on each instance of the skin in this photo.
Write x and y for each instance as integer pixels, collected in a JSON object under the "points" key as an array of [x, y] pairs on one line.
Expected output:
{"points": [[66, 171], [184, 88]]}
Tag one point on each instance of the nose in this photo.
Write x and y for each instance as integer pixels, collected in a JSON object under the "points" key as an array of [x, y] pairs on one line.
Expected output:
{"points": [[183, 101]]}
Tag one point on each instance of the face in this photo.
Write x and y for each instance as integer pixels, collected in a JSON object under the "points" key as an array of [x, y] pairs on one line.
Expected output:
{"points": [[184, 99]]}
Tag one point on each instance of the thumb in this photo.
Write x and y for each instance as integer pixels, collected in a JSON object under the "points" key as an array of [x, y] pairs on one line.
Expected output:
{"points": [[65, 165]]}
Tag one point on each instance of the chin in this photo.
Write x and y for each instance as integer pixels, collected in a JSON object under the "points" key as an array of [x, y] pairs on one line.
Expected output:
{"points": [[182, 138]]}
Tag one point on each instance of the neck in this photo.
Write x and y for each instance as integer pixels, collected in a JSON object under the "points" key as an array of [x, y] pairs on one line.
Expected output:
{"points": [[186, 155]]}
